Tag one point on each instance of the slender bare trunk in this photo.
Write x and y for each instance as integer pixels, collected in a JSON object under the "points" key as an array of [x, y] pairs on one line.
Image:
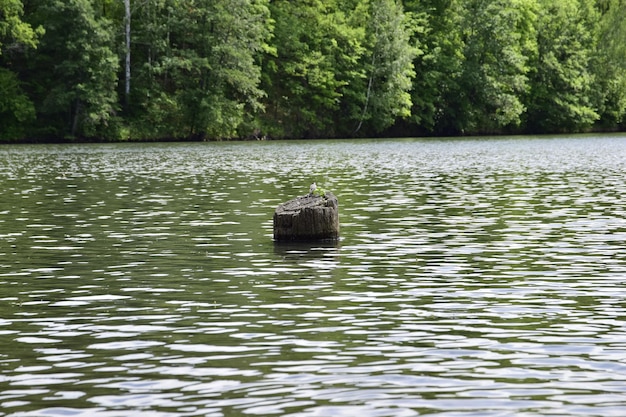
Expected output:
{"points": [[78, 108], [371, 77], [127, 30], [367, 96]]}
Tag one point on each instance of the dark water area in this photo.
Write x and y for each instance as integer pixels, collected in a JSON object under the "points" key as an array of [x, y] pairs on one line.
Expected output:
{"points": [[473, 277]]}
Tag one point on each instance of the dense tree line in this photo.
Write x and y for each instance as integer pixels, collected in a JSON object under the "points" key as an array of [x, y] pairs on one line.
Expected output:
{"points": [[210, 69]]}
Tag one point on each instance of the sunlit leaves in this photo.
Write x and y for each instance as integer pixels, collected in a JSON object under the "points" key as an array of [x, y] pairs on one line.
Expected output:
{"points": [[609, 63], [388, 63], [561, 98], [14, 32], [498, 40], [210, 69], [75, 68], [318, 48], [16, 36], [205, 59], [339, 67]]}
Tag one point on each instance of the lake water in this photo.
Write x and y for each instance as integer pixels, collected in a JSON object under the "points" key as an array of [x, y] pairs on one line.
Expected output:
{"points": [[474, 277]]}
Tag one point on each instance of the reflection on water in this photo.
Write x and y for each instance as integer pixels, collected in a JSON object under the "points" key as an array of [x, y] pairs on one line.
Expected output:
{"points": [[473, 278]]}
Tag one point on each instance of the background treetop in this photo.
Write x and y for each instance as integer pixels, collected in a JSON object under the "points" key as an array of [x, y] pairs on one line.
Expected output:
{"points": [[221, 69]]}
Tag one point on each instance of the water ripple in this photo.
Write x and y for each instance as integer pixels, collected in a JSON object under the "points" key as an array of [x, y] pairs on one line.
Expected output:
{"points": [[473, 278]]}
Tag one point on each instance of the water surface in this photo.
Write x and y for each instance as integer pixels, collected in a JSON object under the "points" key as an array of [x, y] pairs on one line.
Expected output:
{"points": [[474, 277]]}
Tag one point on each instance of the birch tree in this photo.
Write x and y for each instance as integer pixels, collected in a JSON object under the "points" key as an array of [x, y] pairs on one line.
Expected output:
{"points": [[388, 65], [127, 69]]}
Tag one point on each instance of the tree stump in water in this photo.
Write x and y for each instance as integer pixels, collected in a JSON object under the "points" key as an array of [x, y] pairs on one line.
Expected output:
{"points": [[307, 218]]}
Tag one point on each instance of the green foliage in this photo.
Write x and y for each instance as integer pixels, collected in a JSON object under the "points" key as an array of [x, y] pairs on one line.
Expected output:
{"points": [[318, 48], [16, 109], [202, 65], [75, 69], [319, 192], [340, 68], [215, 69], [561, 96], [388, 64], [16, 37], [497, 41], [608, 64], [439, 67], [15, 33]]}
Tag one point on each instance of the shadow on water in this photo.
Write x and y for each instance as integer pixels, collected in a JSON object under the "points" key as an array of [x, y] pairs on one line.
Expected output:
{"points": [[321, 255], [306, 249]]}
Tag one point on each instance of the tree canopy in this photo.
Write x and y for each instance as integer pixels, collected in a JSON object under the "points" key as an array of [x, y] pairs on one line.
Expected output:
{"points": [[222, 69]]}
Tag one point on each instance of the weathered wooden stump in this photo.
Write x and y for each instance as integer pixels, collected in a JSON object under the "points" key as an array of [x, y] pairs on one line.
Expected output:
{"points": [[307, 218]]}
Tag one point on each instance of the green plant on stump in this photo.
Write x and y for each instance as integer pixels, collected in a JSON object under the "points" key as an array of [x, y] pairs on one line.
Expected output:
{"points": [[319, 192]]}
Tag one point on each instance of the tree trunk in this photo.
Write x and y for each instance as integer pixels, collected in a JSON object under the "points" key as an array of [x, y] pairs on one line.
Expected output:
{"points": [[78, 108], [307, 218], [127, 73]]}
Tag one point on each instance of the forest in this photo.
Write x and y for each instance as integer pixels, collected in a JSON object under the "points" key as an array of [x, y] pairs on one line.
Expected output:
{"points": [[126, 70]]}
